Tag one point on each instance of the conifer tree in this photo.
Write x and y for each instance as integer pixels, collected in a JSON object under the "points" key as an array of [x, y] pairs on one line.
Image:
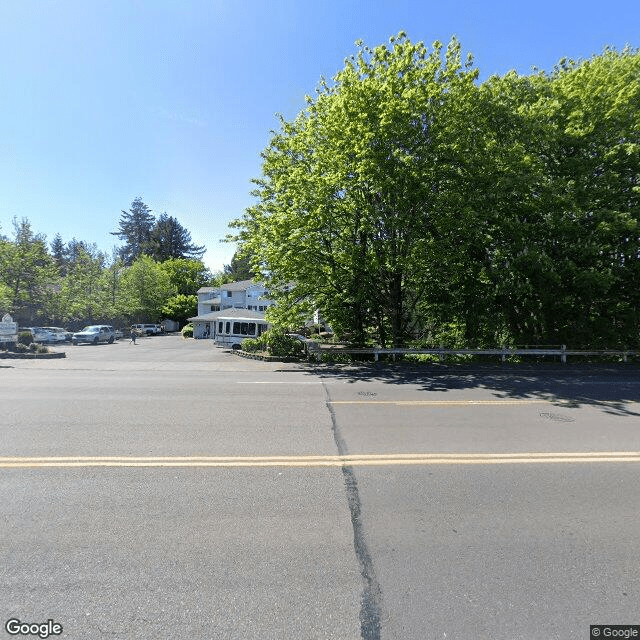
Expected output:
{"points": [[135, 230]]}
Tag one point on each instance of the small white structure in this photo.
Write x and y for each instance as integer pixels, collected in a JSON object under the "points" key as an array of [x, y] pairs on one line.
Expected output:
{"points": [[8, 329], [229, 327], [169, 325]]}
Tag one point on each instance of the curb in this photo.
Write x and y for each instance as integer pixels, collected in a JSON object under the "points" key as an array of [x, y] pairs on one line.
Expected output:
{"points": [[263, 357], [8, 355]]}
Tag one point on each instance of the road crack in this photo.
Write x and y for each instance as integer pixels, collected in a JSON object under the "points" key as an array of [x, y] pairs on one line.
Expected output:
{"points": [[371, 601]]}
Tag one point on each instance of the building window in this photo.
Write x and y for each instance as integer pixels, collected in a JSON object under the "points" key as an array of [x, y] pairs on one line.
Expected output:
{"points": [[229, 294], [228, 328], [244, 328]]}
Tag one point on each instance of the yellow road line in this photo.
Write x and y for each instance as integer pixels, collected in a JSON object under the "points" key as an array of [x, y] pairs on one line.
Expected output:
{"points": [[444, 403], [321, 461]]}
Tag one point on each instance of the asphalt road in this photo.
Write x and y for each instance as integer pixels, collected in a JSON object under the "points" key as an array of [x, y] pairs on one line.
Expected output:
{"points": [[172, 490]]}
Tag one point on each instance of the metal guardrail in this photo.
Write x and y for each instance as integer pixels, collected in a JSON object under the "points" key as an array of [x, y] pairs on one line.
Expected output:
{"points": [[504, 353]]}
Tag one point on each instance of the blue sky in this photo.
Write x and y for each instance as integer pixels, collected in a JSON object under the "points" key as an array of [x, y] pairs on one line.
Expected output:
{"points": [[173, 101]]}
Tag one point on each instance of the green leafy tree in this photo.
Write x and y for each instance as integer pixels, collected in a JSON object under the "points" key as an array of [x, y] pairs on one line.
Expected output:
{"points": [[594, 108], [27, 272], [180, 307], [408, 199], [351, 187], [186, 275], [115, 300], [5, 293], [82, 297], [146, 287]]}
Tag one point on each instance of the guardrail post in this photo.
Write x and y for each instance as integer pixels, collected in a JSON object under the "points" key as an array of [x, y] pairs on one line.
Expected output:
{"points": [[375, 355], [563, 357]]}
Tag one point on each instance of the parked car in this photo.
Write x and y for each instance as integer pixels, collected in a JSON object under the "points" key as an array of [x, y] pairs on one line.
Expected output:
{"points": [[147, 329], [42, 335], [58, 334], [94, 334]]}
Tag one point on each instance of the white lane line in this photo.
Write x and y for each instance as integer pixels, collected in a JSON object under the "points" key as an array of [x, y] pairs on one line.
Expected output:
{"points": [[278, 382]]}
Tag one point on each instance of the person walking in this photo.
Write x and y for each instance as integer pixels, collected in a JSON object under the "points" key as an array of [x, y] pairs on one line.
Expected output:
{"points": [[133, 335]]}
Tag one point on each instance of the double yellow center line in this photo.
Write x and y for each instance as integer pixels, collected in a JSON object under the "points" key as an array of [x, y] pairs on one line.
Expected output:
{"points": [[446, 403], [390, 459]]}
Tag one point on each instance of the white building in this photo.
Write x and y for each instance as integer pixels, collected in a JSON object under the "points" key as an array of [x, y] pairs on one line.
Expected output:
{"points": [[246, 294], [231, 312]]}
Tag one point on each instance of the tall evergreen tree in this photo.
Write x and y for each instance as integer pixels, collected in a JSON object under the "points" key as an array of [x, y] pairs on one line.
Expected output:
{"points": [[58, 253], [169, 239], [135, 230], [239, 269]]}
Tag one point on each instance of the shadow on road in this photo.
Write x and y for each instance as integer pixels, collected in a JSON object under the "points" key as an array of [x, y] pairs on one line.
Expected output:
{"points": [[615, 389]]}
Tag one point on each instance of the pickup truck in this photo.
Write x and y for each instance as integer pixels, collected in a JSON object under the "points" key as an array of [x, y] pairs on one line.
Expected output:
{"points": [[147, 329]]}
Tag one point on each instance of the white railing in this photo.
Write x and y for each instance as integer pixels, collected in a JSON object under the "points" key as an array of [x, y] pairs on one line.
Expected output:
{"points": [[504, 352]]}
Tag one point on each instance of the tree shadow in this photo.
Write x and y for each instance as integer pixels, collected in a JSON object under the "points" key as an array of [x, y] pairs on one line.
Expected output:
{"points": [[615, 389]]}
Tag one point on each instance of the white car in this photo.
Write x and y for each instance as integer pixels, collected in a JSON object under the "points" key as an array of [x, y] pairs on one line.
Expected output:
{"points": [[57, 334], [42, 335], [147, 329], [94, 334]]}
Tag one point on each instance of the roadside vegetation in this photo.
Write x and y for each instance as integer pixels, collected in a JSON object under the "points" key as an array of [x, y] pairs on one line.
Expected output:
{"points": [[154, 275], [276, 342], [414, 204]]}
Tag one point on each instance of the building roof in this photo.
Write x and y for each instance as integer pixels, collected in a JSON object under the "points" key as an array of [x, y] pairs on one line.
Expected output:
{"points": [[241, 285]]}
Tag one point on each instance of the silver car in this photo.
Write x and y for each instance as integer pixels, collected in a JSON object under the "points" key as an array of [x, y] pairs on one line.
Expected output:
{"points": [[42, 335], [57, 333], [95, 333]]}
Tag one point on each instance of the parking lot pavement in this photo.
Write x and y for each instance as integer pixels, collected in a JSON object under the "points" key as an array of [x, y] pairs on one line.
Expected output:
{"points": [[168, 352]]}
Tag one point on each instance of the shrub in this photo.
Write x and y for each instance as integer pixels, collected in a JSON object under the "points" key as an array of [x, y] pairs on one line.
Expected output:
{"points": [[252, 345], [25, 338], [337, 358], [21, 348], [282, 345], [187, 331], [37, 348]]}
